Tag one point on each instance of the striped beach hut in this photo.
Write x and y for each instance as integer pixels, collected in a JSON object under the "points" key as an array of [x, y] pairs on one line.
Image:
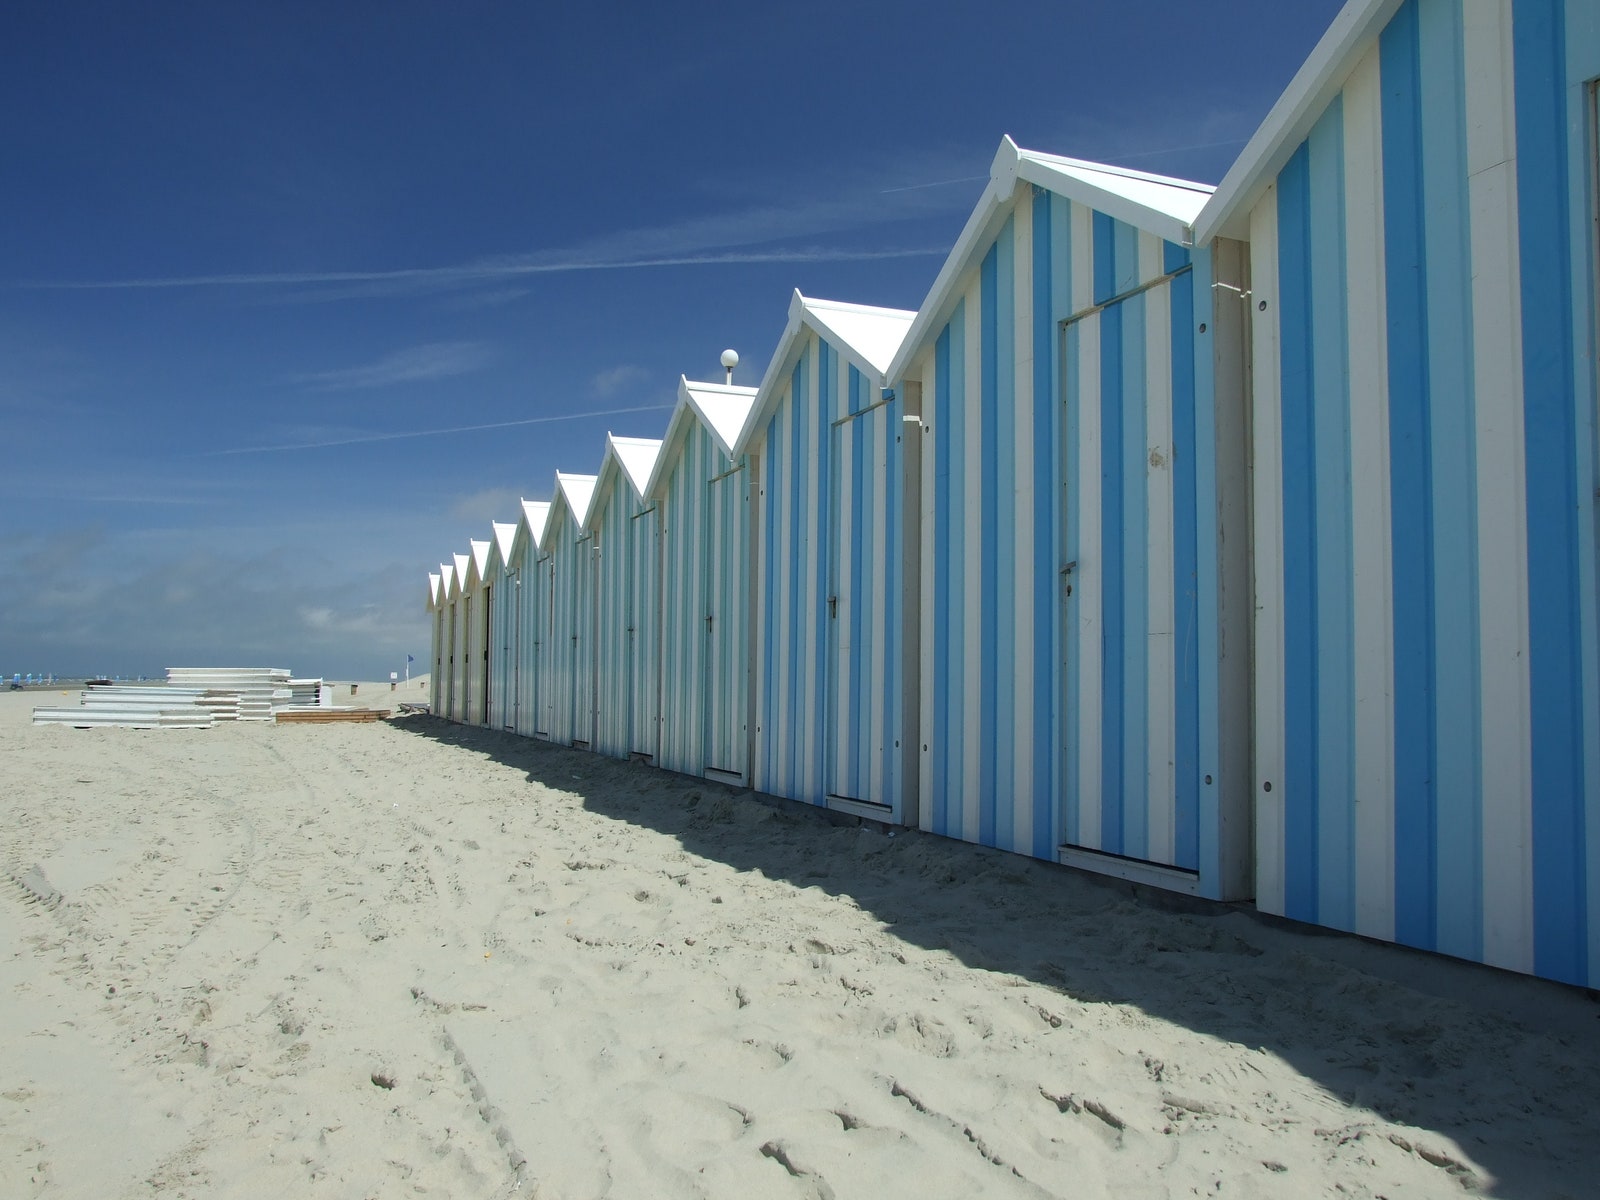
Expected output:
{"points": [[528, 607], [1420, 207], [436, 633], [1084, 572], [566, 662], [703, 490], [455, 706], [834, 720], [500, 612], [627, 600], [476, 601]]}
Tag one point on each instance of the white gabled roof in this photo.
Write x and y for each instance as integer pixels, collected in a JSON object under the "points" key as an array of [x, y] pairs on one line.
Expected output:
{"points": [[529, 530], [447, 578], [637, 458], [505, 533], [1158, 204], [479, 564], [868, 336], [721, 407], [433, 589], [535, 514], [459, 580], [1308, 95], [578, 492]]}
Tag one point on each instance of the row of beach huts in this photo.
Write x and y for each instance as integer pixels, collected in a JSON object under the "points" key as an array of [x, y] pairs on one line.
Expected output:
{"points": [[1240, 541]]}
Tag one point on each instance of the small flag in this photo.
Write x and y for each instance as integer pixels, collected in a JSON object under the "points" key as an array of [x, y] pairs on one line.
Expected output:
{"points": [[410, 659]]}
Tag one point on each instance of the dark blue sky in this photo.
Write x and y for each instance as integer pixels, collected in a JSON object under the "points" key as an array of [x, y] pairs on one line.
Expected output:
{"points": [[246, 255]]}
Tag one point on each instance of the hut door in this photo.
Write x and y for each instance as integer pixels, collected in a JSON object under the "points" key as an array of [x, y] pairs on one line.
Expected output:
{"points": [[642, 568], [853, 563], [1126, 583], [581, 663], [543, 631], [464, 709], [726, 655], [512, 719], [447, 698], [488, 657]]}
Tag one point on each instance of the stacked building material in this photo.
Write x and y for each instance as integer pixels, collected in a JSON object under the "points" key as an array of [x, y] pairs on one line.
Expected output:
{"points": [[132, 707], [261, 690], [310, 693]]}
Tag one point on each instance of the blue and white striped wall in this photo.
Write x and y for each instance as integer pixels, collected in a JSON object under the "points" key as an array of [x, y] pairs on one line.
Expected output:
{"points": [[704, 498], [627, 602], [831, 710], [458, 640], [1427, 692], [527, 601], [436, 585], [502, 632], [567, 669], [1074, 672]]}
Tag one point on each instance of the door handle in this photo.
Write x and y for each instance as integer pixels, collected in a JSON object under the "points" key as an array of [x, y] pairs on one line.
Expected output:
{"points": [[833, 607], [1066, 573]]}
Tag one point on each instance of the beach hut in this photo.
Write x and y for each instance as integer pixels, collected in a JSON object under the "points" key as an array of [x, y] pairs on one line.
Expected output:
{"points": [[704, 493], [436, 634], [833, 696], [627, 600], [456, 707], [476, 601], [567, 663], [1084, 576], [501, 614], [529, 606], [1420, 208]]}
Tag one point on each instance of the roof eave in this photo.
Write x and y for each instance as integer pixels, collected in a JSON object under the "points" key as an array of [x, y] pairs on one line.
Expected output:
{"points": [[1227, 213]]}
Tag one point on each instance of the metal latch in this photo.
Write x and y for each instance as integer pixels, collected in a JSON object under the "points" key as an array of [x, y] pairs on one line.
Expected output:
{"points": [[833, 607], [1066, 573]]}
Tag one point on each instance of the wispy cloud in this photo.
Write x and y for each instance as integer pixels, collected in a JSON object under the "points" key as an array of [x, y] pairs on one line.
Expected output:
{"points": [[609, 382], [365, 438], [436, 360], [488, 505]]}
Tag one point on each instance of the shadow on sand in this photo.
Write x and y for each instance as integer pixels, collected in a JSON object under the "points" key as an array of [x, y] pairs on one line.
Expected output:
{"points": [[1500, 1063]]}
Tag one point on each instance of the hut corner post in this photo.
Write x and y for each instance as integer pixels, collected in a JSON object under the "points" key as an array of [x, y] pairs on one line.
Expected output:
{"points": [[911, 605]]}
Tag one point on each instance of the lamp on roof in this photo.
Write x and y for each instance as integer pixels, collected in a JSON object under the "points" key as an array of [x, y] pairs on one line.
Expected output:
{"points": [[730, 360]]}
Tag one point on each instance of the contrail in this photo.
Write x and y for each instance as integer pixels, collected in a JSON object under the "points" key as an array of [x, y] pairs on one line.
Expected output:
{"points": [[470, 274], [394, 437]]}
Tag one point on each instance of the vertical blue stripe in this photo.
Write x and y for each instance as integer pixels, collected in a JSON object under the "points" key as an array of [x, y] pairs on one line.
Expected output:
{"points": [[822, 724], [1046, 546], [1335, 615], [1125, 239], [1560, 904], [772, 517], [860, 593], [1410, 486], [1135, 556], [1458, 830], [1186, 453], [939, 748], [1112, 541], [1300, 798], [1173, 257], [1001, 527], [988, 562], [956, 732], [1105, 258], [799, 615]]}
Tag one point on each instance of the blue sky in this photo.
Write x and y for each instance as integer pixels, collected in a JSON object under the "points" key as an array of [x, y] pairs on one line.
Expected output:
{"points": [[255, 261]]}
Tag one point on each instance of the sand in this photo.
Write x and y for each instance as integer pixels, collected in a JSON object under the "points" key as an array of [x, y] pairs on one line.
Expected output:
{"points": [[411, 959]]}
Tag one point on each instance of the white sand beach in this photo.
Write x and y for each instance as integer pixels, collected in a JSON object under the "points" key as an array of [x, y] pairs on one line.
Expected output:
{"points": [[413, 959]]}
